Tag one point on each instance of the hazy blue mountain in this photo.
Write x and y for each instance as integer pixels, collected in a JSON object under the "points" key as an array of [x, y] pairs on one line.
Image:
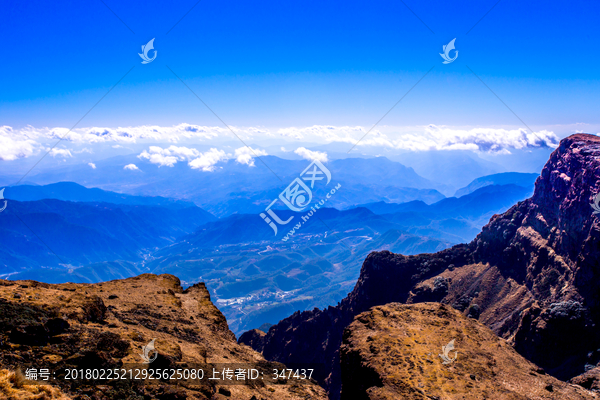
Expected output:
{"points": [[527, 160], [71, 191], [248, 228], [349, 196], [505, 178], [236, 188], [51, 232], [482, 202], [452, 219], [382, 207], [454, 169], [91, 273]]}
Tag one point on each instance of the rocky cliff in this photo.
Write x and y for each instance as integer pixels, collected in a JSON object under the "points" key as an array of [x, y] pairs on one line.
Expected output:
{"points": [[106, 326], [395, 351], [531, 275]]}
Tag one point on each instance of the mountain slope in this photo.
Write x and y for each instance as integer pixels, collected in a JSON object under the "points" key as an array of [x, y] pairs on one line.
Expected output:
{"points": [[52, 232], [531, 275], [392, 352], [106, 326]]}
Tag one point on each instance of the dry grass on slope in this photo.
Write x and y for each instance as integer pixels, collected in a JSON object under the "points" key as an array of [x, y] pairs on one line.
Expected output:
{"points": [[14, 386]]}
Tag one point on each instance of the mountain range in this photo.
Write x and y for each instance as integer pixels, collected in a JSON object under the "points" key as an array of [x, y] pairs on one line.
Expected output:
{"points": [[256, 277], [530, 276]]}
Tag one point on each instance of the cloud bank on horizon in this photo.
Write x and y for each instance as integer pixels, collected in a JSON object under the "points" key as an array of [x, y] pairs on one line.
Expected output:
{"points": [[30, 141], [196, 160]]}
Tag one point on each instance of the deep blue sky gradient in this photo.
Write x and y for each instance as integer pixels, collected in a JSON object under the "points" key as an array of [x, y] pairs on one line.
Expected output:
{"points": [[276, 64]]}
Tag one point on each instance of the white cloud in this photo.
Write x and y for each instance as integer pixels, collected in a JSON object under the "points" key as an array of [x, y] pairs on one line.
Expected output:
{"points": [[92, 165], [11, 149], [196, 160], [327, 133], [207, 160], [476, 139], [131, 167], [169, 156], [426, 138], [311, 155], [245, 155], [60, 152], [133, 134], [16, 144]]}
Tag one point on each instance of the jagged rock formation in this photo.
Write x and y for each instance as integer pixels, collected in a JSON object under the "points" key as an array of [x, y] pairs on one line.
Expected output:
{"points": [[589, 379], [393, 352], [531, 275], [105, 325], [254, 338]]}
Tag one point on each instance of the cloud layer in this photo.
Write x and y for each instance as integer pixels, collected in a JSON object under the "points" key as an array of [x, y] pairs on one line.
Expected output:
{"points": [[432, 137], [31, 141]]}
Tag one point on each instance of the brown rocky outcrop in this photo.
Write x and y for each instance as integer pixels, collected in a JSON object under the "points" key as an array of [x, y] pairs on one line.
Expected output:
{"points": [[589, 379], [106, 325], [393, 352], [531, 275], [254, 338]]}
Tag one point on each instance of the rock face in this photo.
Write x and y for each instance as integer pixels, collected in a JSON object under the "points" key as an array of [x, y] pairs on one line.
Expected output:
{"points": [[393, 352], [254, 338], [589, 380], [106, 325], [531, 275]]}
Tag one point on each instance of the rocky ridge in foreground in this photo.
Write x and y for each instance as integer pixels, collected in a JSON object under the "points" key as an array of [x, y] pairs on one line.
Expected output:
{"points": [[106, 326], [393, 352]]}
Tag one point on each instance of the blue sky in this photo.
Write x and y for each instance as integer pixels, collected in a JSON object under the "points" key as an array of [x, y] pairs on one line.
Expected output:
{"points": [[281, 64], [309, 72]]}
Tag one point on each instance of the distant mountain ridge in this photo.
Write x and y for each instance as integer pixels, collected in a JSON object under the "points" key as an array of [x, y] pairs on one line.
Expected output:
{"points": [[71, 191], [238, 188], [453, 219], [505, 178], [89, 232]]}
